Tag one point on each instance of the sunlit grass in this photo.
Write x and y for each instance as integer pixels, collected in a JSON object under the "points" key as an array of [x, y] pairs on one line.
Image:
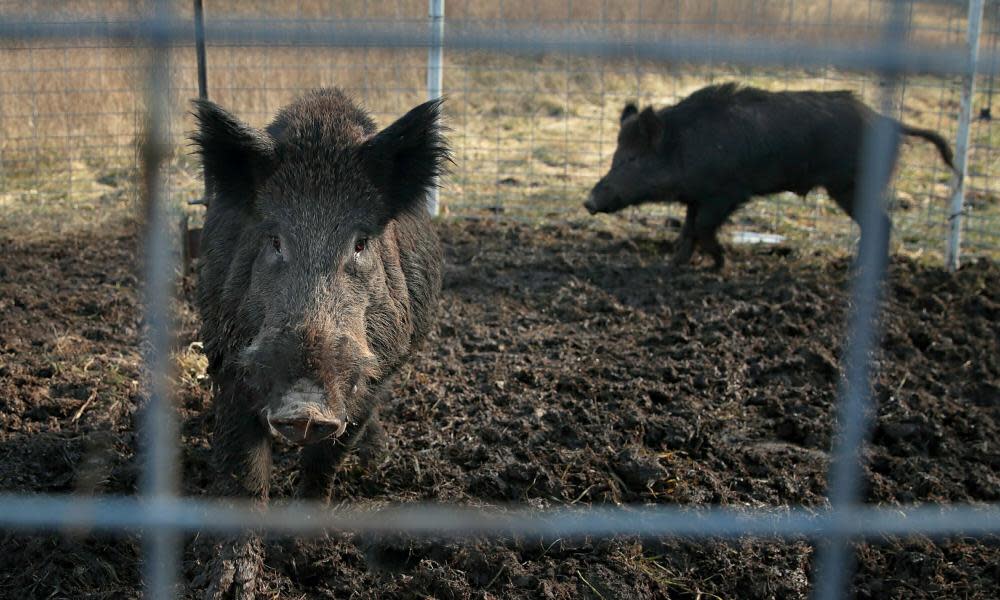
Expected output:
{"points": [[531, 134]]}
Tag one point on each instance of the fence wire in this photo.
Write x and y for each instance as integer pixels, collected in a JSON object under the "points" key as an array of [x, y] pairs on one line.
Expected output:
{"points": [[82, 514], [535, 114]]}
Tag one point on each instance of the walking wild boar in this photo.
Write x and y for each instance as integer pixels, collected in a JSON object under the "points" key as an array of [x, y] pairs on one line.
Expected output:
{"points": [[320, 274], [723, 144]]}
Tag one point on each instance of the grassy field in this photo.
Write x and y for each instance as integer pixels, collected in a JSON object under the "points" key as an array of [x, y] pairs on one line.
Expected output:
{"points": [[531, 133]]}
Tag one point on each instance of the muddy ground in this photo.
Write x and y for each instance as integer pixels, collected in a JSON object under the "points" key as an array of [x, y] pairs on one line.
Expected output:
{"points": [[571, 367]]}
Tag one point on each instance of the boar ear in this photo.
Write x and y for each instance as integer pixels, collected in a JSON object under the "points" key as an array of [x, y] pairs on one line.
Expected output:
{"points": [[236, 157], [404, 160], [627, 112], [650, 124]]}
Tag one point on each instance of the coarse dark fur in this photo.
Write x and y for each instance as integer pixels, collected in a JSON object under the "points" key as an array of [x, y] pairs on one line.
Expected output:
{"points": [[723, 144], [319, 265]]}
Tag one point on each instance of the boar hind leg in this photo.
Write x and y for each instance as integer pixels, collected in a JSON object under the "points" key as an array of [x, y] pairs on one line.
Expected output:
{"points": [[318, 462], [685, 241], [845, 199], [242, 454]]}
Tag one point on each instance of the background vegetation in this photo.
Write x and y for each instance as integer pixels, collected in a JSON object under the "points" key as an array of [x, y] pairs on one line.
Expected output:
{"points": [[531, 133]]}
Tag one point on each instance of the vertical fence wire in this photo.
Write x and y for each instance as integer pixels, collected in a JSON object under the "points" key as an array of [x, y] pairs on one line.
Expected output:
{"points": [[845, 479], [159, 477], [435, 73]]}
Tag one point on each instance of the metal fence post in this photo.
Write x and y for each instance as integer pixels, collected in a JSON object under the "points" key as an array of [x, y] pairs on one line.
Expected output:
{"points": [[435, 73], [962, 141], [199, 46], [191, 238]]}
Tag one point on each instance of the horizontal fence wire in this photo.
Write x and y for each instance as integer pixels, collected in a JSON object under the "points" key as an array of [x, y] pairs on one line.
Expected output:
{"points": [[862, 57], [80, 513]]}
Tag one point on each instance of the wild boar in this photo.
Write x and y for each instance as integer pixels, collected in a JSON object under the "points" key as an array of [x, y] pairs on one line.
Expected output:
{"points": [[723, 144], [320, 275]]}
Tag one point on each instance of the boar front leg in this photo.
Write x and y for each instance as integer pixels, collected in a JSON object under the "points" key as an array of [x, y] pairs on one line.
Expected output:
{"points": [[241, 449], [318, 462], [685, 241], [710, 217]]}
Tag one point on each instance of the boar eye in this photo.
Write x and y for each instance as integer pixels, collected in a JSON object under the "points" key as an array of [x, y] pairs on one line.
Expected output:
{"points": [[275, 243], [360, 245]]}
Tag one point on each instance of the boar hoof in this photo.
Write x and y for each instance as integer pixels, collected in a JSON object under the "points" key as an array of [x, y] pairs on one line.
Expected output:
{"points": [[685, 250], [680, 261], [234, 574]]}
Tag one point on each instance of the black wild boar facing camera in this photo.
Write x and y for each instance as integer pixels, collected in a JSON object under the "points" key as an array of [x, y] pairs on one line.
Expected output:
{"points": [[723, 144], [320, 274]]}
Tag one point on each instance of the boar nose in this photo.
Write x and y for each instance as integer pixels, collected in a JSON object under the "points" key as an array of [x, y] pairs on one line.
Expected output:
{"points": [[590, 204], [308, 431], [303, 415]]}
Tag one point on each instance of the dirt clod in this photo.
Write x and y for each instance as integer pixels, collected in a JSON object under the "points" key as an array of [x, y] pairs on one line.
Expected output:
{"points": [[569, 369]]}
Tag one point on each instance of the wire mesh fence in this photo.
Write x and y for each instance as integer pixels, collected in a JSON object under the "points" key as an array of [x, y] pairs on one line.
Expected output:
{"points": [[534, 94], [533, 130]]}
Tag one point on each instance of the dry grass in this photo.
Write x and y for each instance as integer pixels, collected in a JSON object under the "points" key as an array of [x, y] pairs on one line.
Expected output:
{"points": [[531, 134]]}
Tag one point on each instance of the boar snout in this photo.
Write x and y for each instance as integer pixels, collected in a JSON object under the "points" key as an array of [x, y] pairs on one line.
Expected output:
{"points": [[316, 406], [303, 415], [597, 200]]}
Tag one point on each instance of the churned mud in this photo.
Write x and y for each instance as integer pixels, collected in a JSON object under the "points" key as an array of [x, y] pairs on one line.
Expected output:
{"points": [[571, 367]]}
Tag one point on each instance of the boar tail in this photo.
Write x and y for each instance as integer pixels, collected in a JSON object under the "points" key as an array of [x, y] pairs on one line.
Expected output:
{"points": [[934, 138]]}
